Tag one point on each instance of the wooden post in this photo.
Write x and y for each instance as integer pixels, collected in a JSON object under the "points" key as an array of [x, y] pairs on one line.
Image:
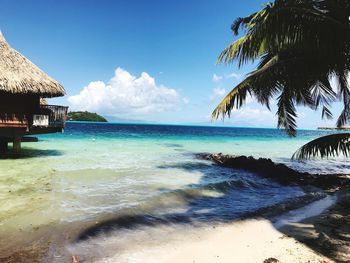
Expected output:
{"points": [[17, 145], [3, 148]]}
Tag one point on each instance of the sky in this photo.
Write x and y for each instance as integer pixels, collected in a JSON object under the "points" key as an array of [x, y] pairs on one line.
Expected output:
{"points": [[137, 60]]}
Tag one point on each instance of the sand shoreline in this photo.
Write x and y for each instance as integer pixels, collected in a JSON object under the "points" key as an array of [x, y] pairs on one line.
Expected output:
{"points": [[250, 240], [246, 240]]}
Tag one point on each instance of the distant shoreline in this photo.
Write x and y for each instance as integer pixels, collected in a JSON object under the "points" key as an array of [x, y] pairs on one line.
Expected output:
{"points": [[85, 116], [333, 128]]}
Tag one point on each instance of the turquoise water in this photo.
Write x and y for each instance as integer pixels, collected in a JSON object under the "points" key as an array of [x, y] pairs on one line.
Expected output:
{"points": [[97, 171]]}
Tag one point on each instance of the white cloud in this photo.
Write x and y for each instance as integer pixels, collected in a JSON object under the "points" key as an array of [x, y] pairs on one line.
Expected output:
{"points": [[255, 116], [217, 78], [217, 93], [186, 100], [127, 96], [252, 114], [233, 75]]}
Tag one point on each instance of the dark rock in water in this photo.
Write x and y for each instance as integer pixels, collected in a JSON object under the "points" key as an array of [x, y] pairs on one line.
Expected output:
{"points": [[279, 172], [271, 260]]}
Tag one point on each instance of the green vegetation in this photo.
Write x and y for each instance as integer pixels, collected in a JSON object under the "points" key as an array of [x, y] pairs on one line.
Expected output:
{"points": [[302, 46], [85, 116]]}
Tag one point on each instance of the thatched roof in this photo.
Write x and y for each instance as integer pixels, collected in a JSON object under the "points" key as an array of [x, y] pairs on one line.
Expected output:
{"points": [[43, 101], [20, 76]]}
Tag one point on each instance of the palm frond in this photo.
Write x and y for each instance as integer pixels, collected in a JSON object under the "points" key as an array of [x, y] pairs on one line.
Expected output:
{"points": [[284, 24], [237, 96], [326, 113], [234, 99], [241, 22], [344, 90], [233, 51], [286, 113], [299, 44], [325, 146], [323, 95]]}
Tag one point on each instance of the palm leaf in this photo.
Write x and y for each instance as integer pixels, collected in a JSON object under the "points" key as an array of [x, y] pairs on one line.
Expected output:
{"points": [[279, 25], [326, 146], [234, 99], [237, 96], [241, 22], [326, 113], [286, 113], [344, 89], [299, 45]]}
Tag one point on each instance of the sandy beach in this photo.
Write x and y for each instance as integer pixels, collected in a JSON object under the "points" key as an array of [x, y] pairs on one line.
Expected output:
{"points": [[257, 240], [249, 241], [317, 232]]}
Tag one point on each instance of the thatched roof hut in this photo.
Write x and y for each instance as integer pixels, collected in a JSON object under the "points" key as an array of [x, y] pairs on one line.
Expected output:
{"points": [[23, 109], [18, 75]]}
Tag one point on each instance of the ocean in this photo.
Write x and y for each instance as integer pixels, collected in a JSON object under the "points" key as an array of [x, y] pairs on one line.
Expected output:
{"points": [[146, 174]]}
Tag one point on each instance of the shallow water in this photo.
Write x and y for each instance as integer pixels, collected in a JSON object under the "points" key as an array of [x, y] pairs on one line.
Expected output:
{"points": [[97, 171]]}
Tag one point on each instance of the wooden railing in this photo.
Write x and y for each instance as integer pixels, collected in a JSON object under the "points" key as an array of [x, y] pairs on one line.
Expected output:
{"points": [[13, 120], [57, 114]]}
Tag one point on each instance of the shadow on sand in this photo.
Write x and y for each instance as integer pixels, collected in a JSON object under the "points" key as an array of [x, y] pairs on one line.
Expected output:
{"points": [[327, 233]]}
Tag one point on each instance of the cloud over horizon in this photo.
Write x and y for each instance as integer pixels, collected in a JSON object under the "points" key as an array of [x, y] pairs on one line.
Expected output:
{"points": [[216, 78], [127, 96]]}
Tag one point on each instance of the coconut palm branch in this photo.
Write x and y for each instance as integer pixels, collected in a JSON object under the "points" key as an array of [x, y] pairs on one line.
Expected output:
{"points": [[287, 23], [282, 76], [297, 57], [326, 146], [344, 88]]}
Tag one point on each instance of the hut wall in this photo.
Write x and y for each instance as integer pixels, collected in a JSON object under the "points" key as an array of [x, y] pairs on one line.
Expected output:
{"points": [[19, 103]]}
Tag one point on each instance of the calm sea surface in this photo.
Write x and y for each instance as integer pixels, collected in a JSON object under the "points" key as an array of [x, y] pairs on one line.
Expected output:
{"points": [[94, 171]]}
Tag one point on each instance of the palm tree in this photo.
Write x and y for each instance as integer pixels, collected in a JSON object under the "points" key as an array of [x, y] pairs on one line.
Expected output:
{"points": [[300, 45]]}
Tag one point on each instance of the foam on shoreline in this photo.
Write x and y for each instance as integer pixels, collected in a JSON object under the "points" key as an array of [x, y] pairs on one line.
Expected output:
{"points": [[310, 210]]}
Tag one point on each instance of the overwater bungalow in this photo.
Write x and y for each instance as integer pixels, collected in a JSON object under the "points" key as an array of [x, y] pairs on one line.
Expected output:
{"points": [[23, 108]]}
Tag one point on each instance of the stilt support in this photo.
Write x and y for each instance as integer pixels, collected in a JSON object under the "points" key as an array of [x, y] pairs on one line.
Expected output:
{"points": [[17, 145], [3, 148]]}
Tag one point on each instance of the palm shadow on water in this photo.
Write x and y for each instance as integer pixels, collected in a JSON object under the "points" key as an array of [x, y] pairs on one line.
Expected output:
{"points": [[222, 195]]}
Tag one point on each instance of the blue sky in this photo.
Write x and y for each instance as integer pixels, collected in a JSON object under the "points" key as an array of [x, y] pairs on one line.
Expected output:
{"points": [[138, 60]]}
